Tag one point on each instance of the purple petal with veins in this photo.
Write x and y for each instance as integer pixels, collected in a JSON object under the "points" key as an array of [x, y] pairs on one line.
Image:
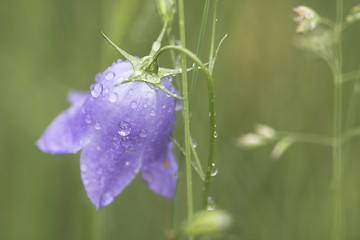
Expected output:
{"points": [[121, 129]]}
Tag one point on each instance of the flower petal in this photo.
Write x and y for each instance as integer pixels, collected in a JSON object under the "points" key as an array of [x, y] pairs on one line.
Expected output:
{"points": [[159, 172], [160, 167], [77, 97], [107, 168], [66, 133]]}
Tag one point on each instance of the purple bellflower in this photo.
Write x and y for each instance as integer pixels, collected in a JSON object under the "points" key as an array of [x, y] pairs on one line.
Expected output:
{"points": [[122, 127]]}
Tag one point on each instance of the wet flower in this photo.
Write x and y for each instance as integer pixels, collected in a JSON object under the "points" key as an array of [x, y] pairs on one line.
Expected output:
{"points": [[121, 129]]}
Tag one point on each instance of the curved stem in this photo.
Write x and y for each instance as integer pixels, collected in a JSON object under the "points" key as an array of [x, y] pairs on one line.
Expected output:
{"points": [[307, 138], [186, 114], [351, 76], [211, 96], [338, 223], [350, 134]]}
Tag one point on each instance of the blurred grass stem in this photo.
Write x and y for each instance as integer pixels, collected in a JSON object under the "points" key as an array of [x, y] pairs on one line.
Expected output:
{"points": [[185, 112], [307, 138], [200, 42], [338, 219], [212, 44]]}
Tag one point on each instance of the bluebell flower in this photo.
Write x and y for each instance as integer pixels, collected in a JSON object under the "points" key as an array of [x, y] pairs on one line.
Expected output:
{"points": [[122, 129]]}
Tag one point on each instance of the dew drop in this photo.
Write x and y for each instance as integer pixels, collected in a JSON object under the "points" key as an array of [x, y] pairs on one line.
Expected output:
{"points": [[152, 113], [127, 163], [125, 129], [194, 143], [97, 126], [96, 90], [109, 76], [211, 205], [83, 167], [106, 90], [133, 105], [214, 170], [215, 134], [88, 118], [164, 106], [143, 133], [113, 97], [145, 105]]}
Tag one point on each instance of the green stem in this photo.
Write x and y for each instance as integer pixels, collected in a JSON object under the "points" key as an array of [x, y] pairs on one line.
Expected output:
{"points": [[351, 76], [186, 114], [338, 223], [200, 42], [307, 138], [350, 134], [212, 44], [211, 96]]}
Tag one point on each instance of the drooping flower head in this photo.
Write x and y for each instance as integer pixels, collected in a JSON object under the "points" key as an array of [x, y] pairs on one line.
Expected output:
{"points": [[121, 129]]}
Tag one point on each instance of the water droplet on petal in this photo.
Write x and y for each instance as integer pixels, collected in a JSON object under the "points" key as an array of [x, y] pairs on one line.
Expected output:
{"points": [[127, 163], [106, 90], [145, 105], [107, 198], [214, 170], [164, 106], [109, 76], [211, 205], [143, 133], [83, 167], [133, 105], [96, 90], [88, 118], [125, 129], [97, 126], [113, 97], [152, 113]]}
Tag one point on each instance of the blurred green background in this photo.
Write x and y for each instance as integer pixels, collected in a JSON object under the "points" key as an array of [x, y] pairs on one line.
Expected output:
{"points": [[48, 47]]}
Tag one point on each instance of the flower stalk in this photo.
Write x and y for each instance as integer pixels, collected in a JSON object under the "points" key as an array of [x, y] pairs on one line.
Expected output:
{"points": [[338, 161], [186, 114]]}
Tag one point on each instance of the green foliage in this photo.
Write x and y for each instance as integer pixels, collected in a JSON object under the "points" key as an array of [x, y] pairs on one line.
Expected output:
{"points": [[49, 47]]}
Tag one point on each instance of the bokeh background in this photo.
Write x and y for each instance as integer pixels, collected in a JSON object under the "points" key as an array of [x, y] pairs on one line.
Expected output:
{"points": [[48, 47]]}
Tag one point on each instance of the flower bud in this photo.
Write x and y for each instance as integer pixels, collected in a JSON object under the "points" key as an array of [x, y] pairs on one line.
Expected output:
{"points": [[250, 140], [354, 14], [166, 10], [307, 19], [208, 223], [265, 131], [281, 147]]}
